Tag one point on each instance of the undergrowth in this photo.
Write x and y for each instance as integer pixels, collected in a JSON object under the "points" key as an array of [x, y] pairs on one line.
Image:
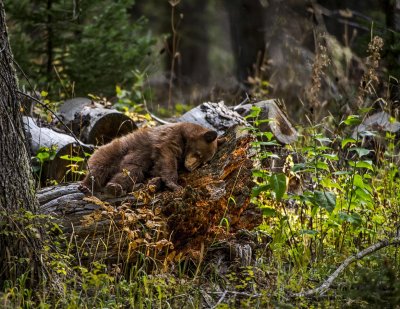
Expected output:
{"points": [[333, 196]]}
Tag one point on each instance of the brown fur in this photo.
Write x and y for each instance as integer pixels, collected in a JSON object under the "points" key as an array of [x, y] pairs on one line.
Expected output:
{"points": [[148, 153]]}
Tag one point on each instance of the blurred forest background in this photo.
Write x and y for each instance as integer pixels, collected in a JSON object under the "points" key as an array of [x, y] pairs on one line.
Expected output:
{"points": [[190, 51]]}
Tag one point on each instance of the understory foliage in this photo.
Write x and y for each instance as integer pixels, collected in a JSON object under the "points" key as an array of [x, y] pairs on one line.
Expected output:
{"points": [[77, 47], [334, 195]]}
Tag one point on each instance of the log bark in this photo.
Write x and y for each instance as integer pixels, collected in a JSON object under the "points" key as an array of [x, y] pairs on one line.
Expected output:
{"points": [[65, 145], [94, 124], [214, 202]]}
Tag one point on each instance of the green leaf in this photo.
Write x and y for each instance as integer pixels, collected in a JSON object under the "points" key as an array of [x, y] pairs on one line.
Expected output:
{"points": [[362, 164], [325, 199], [358, 181], [278, 185], [255, 111], [352, 120], [43, 156], [331, 156], [258, 189], [308, 232], [354, 218], [73, 159], [323, 140], [43, 94], [322, 166], [360, 151], [268, 212], [347, 140]]}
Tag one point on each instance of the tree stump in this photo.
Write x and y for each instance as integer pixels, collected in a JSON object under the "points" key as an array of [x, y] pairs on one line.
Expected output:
{"points": [[214, 203], [94, 124]]}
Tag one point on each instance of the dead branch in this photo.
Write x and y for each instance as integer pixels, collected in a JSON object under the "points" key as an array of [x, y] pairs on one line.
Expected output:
{"points": [[328, 282]]}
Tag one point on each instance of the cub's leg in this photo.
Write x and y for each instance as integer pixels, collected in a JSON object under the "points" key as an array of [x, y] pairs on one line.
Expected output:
{"points": [[125, 180], [167, 168]]}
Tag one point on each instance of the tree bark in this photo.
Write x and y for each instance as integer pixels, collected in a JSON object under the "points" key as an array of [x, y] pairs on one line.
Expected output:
{"points": [[17, 192]]}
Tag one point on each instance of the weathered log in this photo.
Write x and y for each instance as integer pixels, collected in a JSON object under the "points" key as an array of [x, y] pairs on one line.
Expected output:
{"points": [[279, 124], [216, 116], [372, 134], [379, 122], [62, 144], [220, 117], [214, 202], [92, 123]]}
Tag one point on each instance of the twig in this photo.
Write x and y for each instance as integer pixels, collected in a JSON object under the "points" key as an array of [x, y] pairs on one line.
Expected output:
{"points": [[220, 299], [328, 282], [247, 99]]}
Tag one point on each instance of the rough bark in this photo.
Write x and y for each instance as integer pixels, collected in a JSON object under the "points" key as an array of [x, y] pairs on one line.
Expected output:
{"points": [[16, 181], [214, 203], [94, 124]]}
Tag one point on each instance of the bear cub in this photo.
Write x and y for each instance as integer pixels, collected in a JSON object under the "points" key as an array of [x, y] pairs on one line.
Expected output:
{"points": [[150, 153]]}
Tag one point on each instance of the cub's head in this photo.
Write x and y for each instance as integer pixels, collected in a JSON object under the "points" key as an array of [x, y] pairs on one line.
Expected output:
{"points": [[200, 148]]}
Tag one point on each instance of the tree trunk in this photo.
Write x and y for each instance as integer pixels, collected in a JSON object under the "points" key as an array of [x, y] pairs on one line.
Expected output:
{"points": [[16, 182], [247, 27], [392, 11]]}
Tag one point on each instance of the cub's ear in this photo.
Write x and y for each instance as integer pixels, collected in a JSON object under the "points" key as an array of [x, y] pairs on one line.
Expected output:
{"points": [[210, 136]]}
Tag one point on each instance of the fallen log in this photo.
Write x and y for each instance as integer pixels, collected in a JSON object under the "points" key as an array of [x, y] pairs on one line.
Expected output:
{"points": [[268, 118], [214, 202], [372, 132], [215, 116], [58, 145], [92, 123]]}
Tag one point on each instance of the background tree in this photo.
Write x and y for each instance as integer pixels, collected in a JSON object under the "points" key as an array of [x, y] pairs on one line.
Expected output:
{"points": [[78, 47]]}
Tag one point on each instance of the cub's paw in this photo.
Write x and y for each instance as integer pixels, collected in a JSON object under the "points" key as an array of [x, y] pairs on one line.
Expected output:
{"points": [[173, 186], [114, 189], [84, 189]]}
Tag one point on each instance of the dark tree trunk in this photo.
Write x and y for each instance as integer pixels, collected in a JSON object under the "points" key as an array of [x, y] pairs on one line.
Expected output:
{"points": [[193, 65], [17, 192], [392, 11], [246, 19]]}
